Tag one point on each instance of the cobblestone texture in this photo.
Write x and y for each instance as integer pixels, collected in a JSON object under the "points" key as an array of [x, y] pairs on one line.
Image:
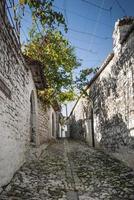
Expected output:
{"points": [[71, 170], [99, 176]]}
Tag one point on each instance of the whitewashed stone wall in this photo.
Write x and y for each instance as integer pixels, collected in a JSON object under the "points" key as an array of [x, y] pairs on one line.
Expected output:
{"points": [[25, 122], [45, 123], [15, 108], [81, 121], [77, 129], [111, 95]]}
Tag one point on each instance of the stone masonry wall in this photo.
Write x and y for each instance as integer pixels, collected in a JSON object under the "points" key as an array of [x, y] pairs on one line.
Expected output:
{"points": [[80, 122], [77, 127], [16, 84], [43, 122], [111, 95], [25, 122]]}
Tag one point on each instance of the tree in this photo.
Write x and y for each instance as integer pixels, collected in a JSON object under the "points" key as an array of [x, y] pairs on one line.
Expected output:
{"points": [[59, 61], [83, 79], [43, 12], [54, 51]]}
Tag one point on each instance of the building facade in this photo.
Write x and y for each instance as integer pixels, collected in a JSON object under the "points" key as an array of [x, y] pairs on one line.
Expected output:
{"points": [[24, 119], [105, 117]]}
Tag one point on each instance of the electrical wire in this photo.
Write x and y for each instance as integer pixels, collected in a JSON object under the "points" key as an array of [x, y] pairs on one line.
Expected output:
{"points": [[87, 33], [11, 18], [84, 41], [27, 39], [96, 25], [82, 16], [74, 30], [10, 3], [120, 6], [90, 51], [65, 12], [97, 6], [38, 28]]}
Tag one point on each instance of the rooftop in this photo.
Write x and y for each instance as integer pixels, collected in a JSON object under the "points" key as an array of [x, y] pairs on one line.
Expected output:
{"points": [[37, 70]]}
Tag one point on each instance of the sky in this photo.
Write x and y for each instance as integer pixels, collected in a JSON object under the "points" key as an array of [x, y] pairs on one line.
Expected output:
{"points": [[90, 28], [91, 24]]}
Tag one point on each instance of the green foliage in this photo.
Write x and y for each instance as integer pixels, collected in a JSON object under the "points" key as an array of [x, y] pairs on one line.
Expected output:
{"points": [[84, 77], [67, 96], [59, 61], [53, 51], [42, 11]]}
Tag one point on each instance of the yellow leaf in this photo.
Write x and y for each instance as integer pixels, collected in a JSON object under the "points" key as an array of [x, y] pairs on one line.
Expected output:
{"points": [[21, 2]]}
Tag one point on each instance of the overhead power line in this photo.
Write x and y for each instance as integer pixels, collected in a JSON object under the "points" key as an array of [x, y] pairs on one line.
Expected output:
{"points": [[97, 6], [96, 25], [10, 3], [120, 6], [38, 28], [92, 60], [90, 51], [82, 16], [10, 13], [36, 23], [83, 41], [65, 12], [26, 37], [87, 33]]}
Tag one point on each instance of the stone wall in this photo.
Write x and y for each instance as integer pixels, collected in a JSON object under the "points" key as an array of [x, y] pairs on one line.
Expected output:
{"points": [[80, 120], [43, 122], [44, 130], [16, 85], [48, 123], [77, 128], [111, 97], [25, 122]]}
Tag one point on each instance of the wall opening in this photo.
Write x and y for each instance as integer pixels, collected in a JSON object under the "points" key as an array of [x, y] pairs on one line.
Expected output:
{"points": [[32, 118], [53, 129], [92, 128]]}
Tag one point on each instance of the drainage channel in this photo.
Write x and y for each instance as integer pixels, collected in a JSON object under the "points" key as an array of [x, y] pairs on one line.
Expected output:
{"points": [[72, 193]]}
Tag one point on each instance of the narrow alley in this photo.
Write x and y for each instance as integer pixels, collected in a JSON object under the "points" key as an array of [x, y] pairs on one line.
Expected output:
{"points": [[66, 100], [71, 170]]}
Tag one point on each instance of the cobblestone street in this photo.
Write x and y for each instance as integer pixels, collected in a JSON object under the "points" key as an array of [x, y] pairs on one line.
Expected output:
{"points": [[71, 170]]}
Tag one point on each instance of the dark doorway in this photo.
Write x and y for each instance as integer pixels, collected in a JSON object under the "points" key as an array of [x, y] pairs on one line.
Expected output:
{"points": [[53, 127], [92, 127], [32, 118]]}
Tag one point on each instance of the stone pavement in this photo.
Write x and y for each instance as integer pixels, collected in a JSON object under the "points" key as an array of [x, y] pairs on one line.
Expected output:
{"points": [[70, 170]]}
